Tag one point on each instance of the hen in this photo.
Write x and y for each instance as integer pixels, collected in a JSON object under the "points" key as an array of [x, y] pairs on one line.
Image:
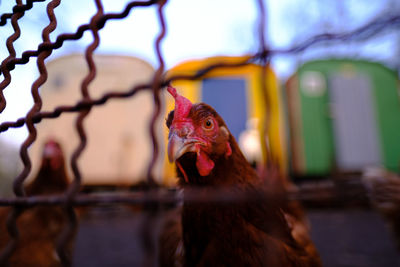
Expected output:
{"points": [[39, 227], [251, 228]]}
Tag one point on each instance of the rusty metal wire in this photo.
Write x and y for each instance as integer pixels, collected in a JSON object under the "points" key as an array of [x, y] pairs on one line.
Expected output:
{"points": [[66, 235], [84, 106], [18, 182], [18, 189], [360, 34], [18, 8], [363, 32], [265, 59], [6, 73], [167, 197], [156, 90], [10, 65], [85, 96]]}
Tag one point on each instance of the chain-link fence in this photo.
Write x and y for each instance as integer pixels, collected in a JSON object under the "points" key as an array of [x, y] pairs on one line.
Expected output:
{"points": [[153, 195]]}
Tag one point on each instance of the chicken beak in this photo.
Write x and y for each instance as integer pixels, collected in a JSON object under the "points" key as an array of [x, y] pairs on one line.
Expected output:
{"points": [[177, 146]]}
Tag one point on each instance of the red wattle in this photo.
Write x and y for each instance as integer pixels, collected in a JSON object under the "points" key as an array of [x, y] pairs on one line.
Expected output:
{"points": [[204, 164]]}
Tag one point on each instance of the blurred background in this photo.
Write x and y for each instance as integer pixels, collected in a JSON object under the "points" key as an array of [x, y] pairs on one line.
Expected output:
{"points": [[197, 31], [332, 106]]}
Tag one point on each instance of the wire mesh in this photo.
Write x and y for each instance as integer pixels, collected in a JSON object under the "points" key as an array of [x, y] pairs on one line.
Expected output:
{"points": [[86, 104]]}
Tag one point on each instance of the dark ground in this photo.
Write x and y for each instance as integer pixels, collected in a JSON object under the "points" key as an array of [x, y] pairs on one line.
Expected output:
{"points": [[353, 238], [112, 236]]}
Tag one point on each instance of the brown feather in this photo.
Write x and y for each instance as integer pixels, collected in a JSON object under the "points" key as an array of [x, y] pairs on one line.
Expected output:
{"points": [[40, 226]]}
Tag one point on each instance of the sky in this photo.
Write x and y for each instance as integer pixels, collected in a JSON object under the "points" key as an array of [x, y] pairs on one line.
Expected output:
{"points": [[196, 29]]}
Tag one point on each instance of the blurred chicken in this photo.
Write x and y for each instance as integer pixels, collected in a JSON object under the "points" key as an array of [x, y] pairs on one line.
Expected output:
{"points": [[40, 227], [252, 230], [384, 192], [52, 176]]}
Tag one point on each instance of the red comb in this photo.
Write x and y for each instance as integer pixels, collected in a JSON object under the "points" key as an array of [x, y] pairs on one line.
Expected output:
{"points": [[182, 104]]}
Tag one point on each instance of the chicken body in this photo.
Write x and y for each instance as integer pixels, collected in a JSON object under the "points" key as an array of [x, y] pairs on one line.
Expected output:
{"points": [[39, 227], [250, 230]]}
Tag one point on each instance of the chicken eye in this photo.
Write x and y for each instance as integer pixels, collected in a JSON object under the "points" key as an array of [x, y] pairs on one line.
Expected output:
{"points": [[208, 124]]}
